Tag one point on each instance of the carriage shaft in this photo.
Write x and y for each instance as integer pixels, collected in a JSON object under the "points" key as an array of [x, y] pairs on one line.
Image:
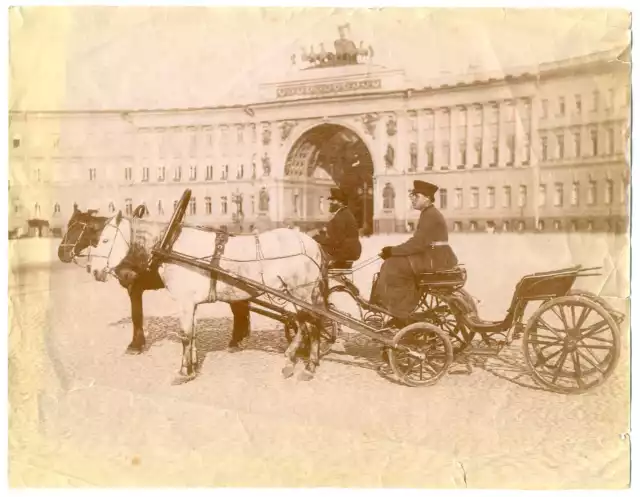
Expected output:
{"points": [[252, 286]]}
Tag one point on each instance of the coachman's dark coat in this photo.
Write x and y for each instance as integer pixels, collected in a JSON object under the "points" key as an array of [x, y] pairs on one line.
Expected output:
{"points": [[396, 288], [341, 241]]}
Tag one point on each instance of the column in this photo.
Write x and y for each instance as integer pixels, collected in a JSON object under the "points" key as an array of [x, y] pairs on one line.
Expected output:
{"points": [[503, 152], [519, 131], [421, 140]]}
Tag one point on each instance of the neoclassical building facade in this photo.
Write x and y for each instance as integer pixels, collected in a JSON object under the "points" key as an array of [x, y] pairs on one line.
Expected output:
{"points": [[535, 148]]}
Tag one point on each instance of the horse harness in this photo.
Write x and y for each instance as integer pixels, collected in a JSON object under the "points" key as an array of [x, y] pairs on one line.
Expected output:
{"points": [[222, 237]]}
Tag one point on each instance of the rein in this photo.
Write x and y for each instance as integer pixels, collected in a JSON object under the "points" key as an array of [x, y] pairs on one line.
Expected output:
{"points": [[110, 270], [74, 256]]}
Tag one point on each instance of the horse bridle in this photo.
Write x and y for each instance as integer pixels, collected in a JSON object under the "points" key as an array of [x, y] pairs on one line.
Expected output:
{"points": [[107, 269], [64, 243]]}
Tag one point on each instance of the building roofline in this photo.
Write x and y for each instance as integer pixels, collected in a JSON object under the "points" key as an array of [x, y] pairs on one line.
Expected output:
{"points": [[620, 54]]}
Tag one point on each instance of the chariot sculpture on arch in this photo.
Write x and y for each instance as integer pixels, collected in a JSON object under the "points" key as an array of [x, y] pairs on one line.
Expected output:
{"points": [[346, 52]]}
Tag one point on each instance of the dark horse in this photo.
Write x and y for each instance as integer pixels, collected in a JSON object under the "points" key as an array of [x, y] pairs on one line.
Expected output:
{"points": [[83, 232]]}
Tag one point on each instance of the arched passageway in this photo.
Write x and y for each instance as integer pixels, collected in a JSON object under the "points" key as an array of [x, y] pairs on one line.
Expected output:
{"points": [[325, 156]]}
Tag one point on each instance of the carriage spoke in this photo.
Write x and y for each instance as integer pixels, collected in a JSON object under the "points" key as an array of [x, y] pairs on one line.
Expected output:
{"points": [[559, 364], [583, 317], [594, 329], [577, 369], [561, 316], [548, 358], [573, 316], [548, 327], [594, 347], [594, 364]]}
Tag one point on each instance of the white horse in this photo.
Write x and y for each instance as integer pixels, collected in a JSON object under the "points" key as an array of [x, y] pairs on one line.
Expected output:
{"points": [[281, 259]]}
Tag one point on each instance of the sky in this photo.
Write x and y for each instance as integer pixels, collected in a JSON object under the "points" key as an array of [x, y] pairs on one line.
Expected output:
{"points": [[91, 58]]}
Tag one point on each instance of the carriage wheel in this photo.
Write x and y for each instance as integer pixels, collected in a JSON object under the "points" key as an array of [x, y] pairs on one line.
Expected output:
{"points": [[328, 334], [571, 344], [425, 339], [436, 310]]}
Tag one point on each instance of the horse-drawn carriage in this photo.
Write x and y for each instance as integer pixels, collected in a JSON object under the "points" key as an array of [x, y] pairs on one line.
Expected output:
{"points": [[571, 343]]}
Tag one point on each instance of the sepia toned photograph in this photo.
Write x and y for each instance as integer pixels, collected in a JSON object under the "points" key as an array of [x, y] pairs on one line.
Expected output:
{"points": [[278, 247]]}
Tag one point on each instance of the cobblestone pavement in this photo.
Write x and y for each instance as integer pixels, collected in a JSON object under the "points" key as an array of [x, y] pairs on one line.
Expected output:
{"points": [[84, 413]]}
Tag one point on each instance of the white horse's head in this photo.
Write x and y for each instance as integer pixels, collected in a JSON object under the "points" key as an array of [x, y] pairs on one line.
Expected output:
{"points": [[113, 246]]}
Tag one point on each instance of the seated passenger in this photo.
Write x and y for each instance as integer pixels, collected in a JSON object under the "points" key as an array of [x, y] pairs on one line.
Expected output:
{"points": [[340, 238], [427, 250]]}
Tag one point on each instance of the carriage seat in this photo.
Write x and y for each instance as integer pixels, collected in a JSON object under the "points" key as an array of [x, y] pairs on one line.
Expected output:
{"points": [[446, 280]]}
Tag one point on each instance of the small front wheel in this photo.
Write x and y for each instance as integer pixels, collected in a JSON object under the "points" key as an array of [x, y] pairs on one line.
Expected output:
{"points": [[422, 354]]}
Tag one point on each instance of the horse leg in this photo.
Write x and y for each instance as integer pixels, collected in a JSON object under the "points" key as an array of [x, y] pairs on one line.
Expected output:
{"points": [[189, 353], [241, 324], [313, 361], [138, 341], [290, 353]]}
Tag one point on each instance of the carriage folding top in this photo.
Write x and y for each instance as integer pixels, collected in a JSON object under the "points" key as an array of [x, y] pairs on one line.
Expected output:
{"points": [[563, 350]]}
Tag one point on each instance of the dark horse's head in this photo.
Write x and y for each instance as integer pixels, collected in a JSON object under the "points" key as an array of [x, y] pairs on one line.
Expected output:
{"points": [[83, 230]]}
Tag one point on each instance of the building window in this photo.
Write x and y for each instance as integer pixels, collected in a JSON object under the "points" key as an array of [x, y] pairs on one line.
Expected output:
{"points": [[545, 108], [388, 197], [296, 198], [591, 193], [494, 154], [590, 225], [578, 104], [506, 200], [56, 209], [128, 207], [573, 226], [544, 147], [557, 225], [128, 174], [160, 208], [209, 174], [459, 202], [320, 204], [509, 112], [457, 226], [462, 158], [540, 225], [608, 192], [111, 208], [561, 106], [192, 206], [575, 193], [576, 143], [240, 172], [526, 145], [558, 197], [240, 132], [594, 142], [207, 205], [610, 142], [177, 173], [491, 197], [16, 143], [560, 141], [521, 226], [473, 226], [161, 173], [477, 147], [223, 205], [443, 198], [145, 174], [92, 174], [175, 205], [193, 173], [505, 226], [511, 145], [429, 149], [542, 195], [225, 172], [36, 209], [446, 152], [475, 197], [522, 198]]}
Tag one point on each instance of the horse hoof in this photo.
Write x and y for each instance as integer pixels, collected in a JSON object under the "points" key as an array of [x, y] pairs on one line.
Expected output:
{"points": [[287, 371], [180, 378], [131, 350], [232, 349], [305, 375]]}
